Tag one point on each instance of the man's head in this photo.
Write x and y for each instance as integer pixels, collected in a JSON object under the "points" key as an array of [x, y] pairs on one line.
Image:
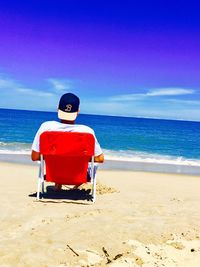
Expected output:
{"points": [[68, 107]]}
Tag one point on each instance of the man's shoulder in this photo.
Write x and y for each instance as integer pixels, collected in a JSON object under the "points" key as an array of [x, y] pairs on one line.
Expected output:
{"points": [[50, 122], [49, 125], [83, 128]]}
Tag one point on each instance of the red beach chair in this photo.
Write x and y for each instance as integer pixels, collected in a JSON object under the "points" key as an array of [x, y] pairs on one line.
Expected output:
{"points": [[65, 157]]}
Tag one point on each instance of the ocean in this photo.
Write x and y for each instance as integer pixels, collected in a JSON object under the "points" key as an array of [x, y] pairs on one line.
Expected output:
{"points": [[122, 138]]}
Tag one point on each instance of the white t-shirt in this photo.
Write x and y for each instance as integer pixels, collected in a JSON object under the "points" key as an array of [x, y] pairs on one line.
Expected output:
{"points": [[58, 126]]}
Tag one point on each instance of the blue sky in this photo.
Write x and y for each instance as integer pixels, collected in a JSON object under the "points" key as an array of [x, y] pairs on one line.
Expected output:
{"points": [[121, 58]]}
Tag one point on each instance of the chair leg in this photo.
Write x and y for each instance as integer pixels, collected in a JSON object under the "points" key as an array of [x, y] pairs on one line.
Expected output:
{"points": [[40, 181], [38, 188], [94, 190], [93, 176], [43, 187], [40, 178]]}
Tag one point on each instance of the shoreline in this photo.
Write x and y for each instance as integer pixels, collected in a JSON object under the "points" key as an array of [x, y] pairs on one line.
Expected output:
{"points": [[110, 164]]}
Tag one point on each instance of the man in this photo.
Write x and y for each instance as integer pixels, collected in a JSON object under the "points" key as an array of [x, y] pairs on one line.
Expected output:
{"points": [[68, 110]]}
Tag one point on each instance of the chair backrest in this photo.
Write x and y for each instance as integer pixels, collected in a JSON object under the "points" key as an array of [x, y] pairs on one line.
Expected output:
{"points": [[66, 156]]}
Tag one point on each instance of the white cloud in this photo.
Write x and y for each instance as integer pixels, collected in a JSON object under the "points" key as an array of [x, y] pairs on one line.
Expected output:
{"points": [[60, 84], [6, 83], [11, 84], [184, 102], [153, 93], [127, 97], [169, 92], [166, 109], [33, 92]]}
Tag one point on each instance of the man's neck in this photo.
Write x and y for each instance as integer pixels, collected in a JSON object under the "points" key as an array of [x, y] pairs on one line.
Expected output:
{"points": [[67, 122]]}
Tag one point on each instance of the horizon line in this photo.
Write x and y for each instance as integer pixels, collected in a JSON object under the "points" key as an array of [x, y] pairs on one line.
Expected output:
{"points": [[109, 115]]}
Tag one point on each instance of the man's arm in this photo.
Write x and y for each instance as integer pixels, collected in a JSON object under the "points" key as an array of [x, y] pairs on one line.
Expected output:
{"points": [[35, 155], [99, 158]]}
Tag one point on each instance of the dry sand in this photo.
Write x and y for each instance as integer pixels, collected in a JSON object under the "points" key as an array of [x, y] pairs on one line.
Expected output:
{"points": [[139, 219]]}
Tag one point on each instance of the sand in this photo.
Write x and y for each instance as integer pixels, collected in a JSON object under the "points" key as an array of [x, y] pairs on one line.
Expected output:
{"points": [[139, 219]]}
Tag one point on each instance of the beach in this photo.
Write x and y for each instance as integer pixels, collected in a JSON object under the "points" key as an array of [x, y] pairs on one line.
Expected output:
{"points": [[139, 219], [87, 81]]}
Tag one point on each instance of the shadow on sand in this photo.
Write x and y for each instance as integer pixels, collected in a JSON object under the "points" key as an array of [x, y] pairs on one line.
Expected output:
{"points": [[69, 194]]}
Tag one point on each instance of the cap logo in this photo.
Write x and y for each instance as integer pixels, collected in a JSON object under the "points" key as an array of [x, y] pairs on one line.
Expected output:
{"points": [[68, 108]]}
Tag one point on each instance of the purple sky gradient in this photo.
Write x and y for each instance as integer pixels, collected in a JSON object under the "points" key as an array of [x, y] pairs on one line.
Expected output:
{"points": [[101, 50]]}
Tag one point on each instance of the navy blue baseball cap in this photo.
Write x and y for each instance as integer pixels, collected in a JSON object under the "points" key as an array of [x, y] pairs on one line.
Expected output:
{"points": [[68, 107]]}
